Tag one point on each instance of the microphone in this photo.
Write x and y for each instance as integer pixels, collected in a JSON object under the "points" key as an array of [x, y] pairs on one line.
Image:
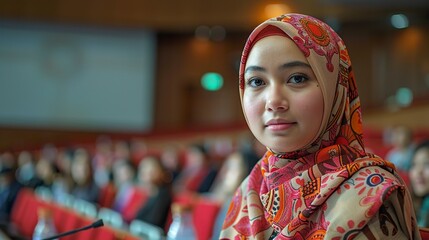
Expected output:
{"points": [[95, 224]]}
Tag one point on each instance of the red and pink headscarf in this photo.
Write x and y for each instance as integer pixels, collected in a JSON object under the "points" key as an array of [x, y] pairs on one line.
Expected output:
{"points": [[331, 188]]}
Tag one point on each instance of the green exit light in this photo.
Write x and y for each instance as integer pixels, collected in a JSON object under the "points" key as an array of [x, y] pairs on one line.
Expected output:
{"points": [[212, 81]]}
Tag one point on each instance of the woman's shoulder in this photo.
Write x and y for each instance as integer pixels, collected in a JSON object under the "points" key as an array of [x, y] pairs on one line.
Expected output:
{"points": [[377, 180], [376, 174]]}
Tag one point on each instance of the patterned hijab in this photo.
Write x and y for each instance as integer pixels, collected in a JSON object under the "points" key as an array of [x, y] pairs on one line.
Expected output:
{"points": [[308, 193]]}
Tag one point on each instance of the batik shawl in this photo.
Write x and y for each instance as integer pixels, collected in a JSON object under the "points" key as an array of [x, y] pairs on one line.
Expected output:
{"points": [[331, 188]]}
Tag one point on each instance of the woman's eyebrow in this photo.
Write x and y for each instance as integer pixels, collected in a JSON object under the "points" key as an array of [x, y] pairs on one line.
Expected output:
{"points": [[254, 68], [295, 64], [286, 65]]}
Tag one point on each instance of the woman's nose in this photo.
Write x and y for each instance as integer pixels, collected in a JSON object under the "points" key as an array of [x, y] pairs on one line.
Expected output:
{"points": [[277, 99]]}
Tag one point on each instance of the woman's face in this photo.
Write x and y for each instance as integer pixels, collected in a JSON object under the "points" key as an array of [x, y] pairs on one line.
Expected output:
{"points": [[150, 172], [419, 172], [80, 170], [282, 99]]}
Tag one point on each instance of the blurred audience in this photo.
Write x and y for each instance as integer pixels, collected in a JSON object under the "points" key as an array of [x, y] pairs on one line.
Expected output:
{"points": [[26, 171], [156, 180], [108, 176], [82, 174], [419, 178], [9, 188], [231, 174], [198, 174], [64, 179], [235, 169], [138, 150], [401, 138], [197, 171], [8, 159], [170, 157], [102, 160], [49, 152], [124, 176], [121, 150], [46, 172]]}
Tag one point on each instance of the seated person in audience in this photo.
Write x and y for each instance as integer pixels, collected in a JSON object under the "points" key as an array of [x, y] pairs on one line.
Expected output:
{"points": [[170, 157], [102, 160], [419, 178], [26, 171], [197, 172], [81, 170], [121, 150], [124, 180], [234, 170], [209, 178], [401, 154], [157, 181], [231, 174], [45, 174], [9, 189], [63, 180], [49, 177], [138, 150]]}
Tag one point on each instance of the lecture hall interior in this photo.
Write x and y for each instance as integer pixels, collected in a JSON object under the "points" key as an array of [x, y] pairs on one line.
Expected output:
{"points": [[92, 89]]}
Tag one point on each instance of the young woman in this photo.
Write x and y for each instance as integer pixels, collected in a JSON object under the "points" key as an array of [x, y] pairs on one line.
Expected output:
{"points": [[419, 178], [315, 181], [156, 180]]}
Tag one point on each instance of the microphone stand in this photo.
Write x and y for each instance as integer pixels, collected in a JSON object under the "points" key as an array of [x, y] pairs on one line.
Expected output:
{"points": [[95, 224]]}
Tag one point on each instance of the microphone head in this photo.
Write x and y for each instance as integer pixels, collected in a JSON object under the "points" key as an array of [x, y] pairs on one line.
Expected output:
{"points": [[98, 223]]}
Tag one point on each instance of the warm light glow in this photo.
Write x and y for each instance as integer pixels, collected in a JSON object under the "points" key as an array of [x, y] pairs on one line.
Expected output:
{"points": [[274, 10], [410, 41], [200, 47]]}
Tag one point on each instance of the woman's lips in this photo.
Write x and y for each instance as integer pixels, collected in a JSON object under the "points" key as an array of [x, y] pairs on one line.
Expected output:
{"points": [[420, 182], [279, 124]]}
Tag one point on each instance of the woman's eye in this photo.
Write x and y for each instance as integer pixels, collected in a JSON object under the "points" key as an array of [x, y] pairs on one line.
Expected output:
{"points": [[255, 82], [297, 79]]}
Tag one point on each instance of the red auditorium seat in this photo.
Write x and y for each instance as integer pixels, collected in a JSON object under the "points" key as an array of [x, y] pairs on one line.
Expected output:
{"points": [[86, 234], [63, 218], [182, 198], [424, 233], [107, 195], [204, 213], [105, 233], [30, 218], [20, 206]]}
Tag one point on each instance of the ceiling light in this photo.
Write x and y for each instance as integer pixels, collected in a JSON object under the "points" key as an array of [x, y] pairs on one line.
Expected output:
{"points": [[212, 81], [404, 97], [274, 10], [399, 21]]}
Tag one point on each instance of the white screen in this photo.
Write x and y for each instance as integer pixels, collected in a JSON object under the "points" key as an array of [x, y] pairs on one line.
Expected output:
{"points": [[78, 78]]}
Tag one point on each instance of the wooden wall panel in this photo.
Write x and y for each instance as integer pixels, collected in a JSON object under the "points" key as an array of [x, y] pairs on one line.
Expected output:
{"points": [[182, 60]]}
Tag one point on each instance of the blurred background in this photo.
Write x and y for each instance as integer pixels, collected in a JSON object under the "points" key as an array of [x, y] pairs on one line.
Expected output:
{"points": [[78, 67], [134, 78]]}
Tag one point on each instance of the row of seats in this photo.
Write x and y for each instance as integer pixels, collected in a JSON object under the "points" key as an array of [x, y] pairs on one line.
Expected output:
{"points": [[69, 214], [204, 213], [24, 218]]}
